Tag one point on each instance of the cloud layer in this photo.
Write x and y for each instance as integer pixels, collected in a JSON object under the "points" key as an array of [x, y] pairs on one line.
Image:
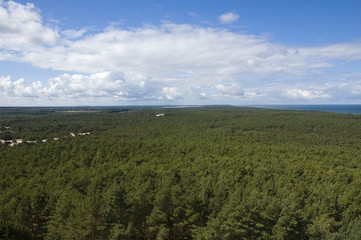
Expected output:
{"points": [[168, 63]]}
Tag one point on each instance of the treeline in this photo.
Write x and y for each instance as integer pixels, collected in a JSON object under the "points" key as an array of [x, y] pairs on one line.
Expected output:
{"points": [[194, 173], [44, 123]]}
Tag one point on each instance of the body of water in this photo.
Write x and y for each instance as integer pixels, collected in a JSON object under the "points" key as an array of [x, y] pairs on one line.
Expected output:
{"points": [[339, 108]]}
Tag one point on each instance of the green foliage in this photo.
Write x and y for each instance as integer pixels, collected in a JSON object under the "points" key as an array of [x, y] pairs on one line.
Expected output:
{"points": [[194, 173], [13, 231]]}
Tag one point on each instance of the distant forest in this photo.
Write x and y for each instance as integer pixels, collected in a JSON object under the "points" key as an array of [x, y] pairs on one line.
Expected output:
{"points": [[202, 173]]}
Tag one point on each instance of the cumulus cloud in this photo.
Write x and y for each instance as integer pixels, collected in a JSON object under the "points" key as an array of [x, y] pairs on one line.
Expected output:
{"points": [[334, 91], [165, 62], [229, 17], [9, 88], [171, 93], [113, 87], [75, 85], [105, 85], [305, 94], [21, 27]]}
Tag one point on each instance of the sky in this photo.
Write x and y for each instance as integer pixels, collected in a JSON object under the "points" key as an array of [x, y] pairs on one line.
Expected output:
{"points": [[168, 52]]}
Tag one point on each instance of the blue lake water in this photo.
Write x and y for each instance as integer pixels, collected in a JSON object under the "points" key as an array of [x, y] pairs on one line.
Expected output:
{"points": [[342, 108]]}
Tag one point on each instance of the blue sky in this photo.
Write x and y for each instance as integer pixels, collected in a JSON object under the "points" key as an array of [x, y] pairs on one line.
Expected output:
{"points": [[60, 53]]}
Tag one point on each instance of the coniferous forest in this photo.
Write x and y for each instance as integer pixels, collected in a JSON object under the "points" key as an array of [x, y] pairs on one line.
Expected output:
{"points": [[179, 173]]}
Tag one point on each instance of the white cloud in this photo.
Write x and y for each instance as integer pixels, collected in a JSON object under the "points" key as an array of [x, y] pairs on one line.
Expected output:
{"points": [[105, 85], [175, 62], [332, 91], [110, 88], [79, 85], [71, 34], [10, 89], [206, 52], [5, 83], [229, 17], [305, 94], [21, 27], [171, 93], [321, 54]]}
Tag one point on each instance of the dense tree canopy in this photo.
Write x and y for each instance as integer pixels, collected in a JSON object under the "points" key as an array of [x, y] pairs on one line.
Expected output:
{"points": [[194, 173]]}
